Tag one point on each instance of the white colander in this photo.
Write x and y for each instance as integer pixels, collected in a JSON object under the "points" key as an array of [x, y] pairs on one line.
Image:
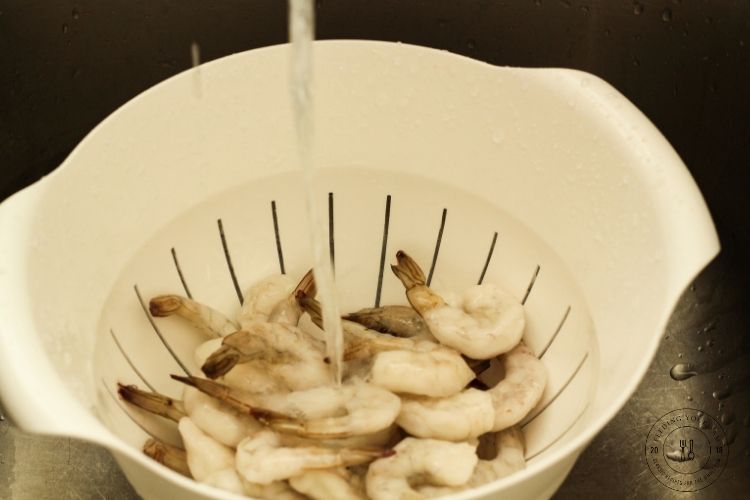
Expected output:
{"points": [[545, 181]]}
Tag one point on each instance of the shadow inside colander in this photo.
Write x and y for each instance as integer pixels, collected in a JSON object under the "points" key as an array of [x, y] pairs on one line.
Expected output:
{"points": [[216, 250]]}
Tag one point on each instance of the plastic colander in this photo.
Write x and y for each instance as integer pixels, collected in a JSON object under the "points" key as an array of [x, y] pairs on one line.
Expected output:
{"points": [[547, 182]]}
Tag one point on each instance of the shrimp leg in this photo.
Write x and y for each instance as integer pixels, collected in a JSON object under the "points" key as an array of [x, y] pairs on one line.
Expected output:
{"points": [[206, 319]]}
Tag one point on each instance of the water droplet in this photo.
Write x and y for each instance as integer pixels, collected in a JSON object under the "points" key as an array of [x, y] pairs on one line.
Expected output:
{"points": [[471, 44], [64, 28], [679, 355], [726, 418], [690, 398], [709, 343], [74, 13], [722, 393], [721, 376], [682, 371], [666, 15], [637, 9], [700, 348], [731, 435]]}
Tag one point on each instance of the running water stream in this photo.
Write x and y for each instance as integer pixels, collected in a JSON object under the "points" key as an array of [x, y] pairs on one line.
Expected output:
{"points": [[301, 35]]}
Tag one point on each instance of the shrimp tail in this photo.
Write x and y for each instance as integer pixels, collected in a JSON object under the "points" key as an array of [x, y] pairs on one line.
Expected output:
{"points": [[220, 362], [311, 307], [152, 402], [164, 305], [167, 455], [230, 396], [306, 285], [408, 271]]}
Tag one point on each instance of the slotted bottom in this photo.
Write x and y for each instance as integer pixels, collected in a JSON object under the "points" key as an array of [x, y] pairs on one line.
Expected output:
{"points": [[219, 248]]}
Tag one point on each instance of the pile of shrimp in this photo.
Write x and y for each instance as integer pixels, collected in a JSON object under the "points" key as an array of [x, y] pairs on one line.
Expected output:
{"points": [[411, 418]]}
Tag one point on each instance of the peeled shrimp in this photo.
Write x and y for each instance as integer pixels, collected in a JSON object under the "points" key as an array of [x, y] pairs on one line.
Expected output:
{"points": [[287, 352], [401, 321], [521, 388], [209, 321], [263, 459], [420, 460], [273, 299], [403, 365], [460, 417], [489, 322], [327, 484], [205, 456], [439, 372], [251, 377], [277, 490], [354, 409], [509, 448], [218, 420]]}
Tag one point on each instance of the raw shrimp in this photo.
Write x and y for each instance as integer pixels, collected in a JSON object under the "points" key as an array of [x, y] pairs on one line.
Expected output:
{"points": [[167, 455], [439, 372], [209, 461], [403, 365], [401, 321], [327, 484], [521, 388], [509, 449], [430, 461], [277, 490], [359, 341], [205, 455], [263, 459], [209, 321], [273, 299], [460, 417], [250, 377], [287, 352], [225, 479], [489, 322], [354, 409], [220, 421]]}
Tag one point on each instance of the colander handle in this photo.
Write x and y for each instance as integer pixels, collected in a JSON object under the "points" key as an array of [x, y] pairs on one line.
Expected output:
{"points": [[32, 392]]}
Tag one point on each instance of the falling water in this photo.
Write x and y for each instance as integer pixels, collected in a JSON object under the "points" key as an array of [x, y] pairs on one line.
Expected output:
{"points": [[301, 35]]}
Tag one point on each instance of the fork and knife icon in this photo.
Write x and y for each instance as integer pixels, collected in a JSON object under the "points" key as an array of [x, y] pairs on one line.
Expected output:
{"points": [[683, 445]]}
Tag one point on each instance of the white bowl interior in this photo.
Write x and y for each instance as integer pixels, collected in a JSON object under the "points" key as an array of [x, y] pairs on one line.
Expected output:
{"points": [[559, 327]]}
